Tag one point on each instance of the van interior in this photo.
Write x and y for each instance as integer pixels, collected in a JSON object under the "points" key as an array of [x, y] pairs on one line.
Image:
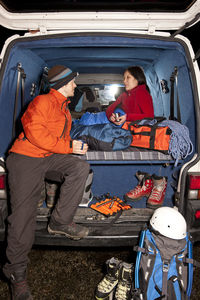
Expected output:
{"points": [[101, 59]]}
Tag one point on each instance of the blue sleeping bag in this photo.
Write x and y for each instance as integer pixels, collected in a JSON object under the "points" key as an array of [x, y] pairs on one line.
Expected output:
{"points": [[105, 137], [97, 118], [93, 118]]}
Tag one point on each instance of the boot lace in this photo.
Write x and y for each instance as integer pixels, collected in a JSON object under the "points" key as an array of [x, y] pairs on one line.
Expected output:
{"points": [[20, 288], [122, 292], [107, 285], [140, 187], [137, 189], [157, 194]]}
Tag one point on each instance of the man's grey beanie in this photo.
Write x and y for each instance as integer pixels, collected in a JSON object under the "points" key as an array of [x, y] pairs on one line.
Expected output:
{"points": [[59, 76]]}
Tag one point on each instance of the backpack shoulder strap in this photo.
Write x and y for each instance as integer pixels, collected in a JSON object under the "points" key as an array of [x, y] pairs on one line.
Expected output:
{"points": [[165, 269], [138, 258], [192, 261], [138, 248]]}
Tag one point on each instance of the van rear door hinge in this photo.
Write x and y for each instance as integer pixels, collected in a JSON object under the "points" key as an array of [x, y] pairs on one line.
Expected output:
{"points": [[42, 29], [151, 29]]}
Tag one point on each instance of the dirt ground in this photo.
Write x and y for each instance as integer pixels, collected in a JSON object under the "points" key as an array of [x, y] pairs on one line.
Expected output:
{"points": [[73, 274]]}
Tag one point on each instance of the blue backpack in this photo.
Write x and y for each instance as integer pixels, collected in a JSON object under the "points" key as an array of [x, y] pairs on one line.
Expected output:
{"points": [[164, 267]]}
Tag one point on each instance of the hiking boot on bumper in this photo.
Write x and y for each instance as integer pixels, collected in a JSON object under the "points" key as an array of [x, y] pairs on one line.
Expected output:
{"points": [[157, 196], [51, 189], [42, 196], [19, 286], [110, 280], [123, 291], [72, 231], [143, 189]]}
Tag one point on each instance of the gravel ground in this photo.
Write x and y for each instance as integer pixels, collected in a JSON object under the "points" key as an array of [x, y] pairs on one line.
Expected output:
{"points": [[72, 274]]}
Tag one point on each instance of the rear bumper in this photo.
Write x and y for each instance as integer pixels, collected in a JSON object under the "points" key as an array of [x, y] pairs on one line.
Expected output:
{"points": [[44, 238]]}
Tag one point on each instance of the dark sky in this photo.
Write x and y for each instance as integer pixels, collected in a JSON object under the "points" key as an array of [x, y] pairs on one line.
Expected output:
{"points": [[193, 35], [91, 5]]}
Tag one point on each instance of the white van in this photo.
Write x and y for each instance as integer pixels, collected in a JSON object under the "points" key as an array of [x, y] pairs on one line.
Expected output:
{"points": [[100, 42]]}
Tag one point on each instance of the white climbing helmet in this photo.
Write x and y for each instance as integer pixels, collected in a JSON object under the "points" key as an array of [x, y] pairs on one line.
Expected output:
{"points": [[169, 222]]}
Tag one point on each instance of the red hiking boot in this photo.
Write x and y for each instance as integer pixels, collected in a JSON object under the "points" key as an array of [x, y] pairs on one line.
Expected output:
{"points": [[157, 196], [143, 189]]}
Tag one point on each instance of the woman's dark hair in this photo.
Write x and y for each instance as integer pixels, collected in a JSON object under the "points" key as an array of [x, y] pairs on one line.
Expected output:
{"points": [[138, 73]]}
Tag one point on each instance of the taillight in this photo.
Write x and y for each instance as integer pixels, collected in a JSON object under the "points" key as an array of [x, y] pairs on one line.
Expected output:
{"points": [[194, 182], [193, 211], [194, 187], [2, 182], [197, 214]]}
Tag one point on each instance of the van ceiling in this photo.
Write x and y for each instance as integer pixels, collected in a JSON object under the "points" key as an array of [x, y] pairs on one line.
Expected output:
{"points": [[97, 53], [91, 5]]}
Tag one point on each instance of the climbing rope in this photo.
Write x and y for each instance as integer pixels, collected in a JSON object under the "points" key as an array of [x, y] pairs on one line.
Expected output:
{"points": [[180, 144]]}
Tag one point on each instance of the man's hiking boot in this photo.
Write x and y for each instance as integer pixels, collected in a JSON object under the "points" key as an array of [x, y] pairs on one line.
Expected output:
{"points": [[42, 196], [123, 291], [19, 286], [51, 189], [72, 231], [157, 196], [143, 188], [110, 280]]}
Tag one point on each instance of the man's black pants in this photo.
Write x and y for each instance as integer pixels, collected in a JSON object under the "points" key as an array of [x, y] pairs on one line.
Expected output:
{"points": [[25, 177]]}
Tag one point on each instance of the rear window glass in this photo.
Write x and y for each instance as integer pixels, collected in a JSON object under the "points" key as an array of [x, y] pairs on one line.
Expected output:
{"points": [[91, 5]]}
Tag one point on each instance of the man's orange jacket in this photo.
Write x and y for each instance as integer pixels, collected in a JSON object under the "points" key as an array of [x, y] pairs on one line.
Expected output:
{"points": [[46, 127]]}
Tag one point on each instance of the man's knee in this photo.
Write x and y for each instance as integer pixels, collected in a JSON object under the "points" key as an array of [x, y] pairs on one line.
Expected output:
{"points": [[82, 167]]}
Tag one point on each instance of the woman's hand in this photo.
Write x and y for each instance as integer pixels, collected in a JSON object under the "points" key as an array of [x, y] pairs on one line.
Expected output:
{"points": [[112, 118], [119, 121], [79, 147]]}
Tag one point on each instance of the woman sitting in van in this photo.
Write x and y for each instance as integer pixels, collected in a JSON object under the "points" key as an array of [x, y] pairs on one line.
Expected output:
{"points": [[136, 101]]}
